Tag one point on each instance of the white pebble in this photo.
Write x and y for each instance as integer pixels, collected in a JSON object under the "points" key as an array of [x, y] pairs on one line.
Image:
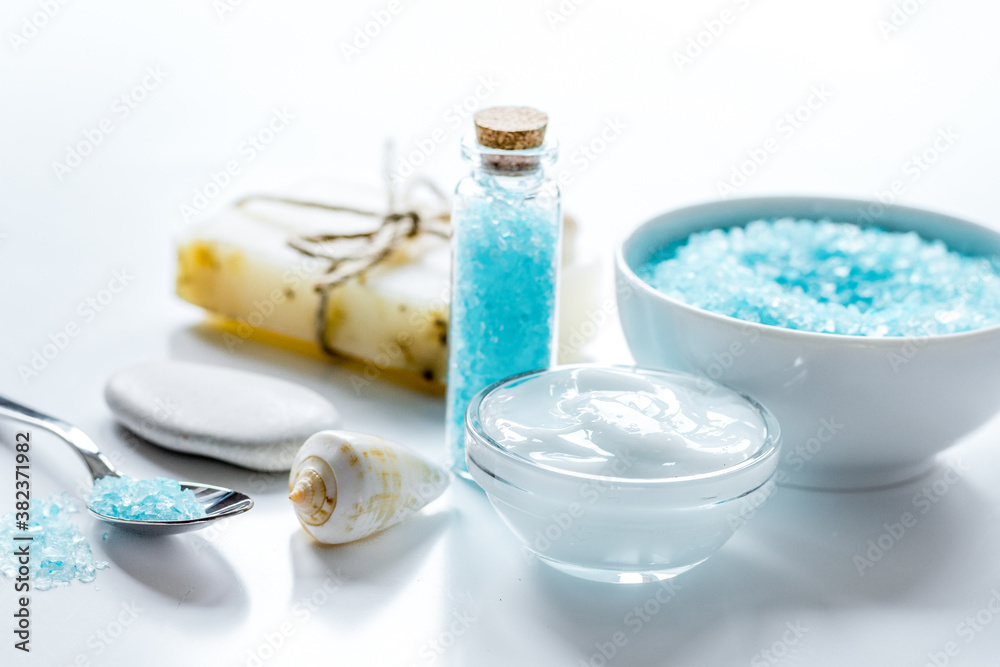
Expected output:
{"points": [[251, 420]]}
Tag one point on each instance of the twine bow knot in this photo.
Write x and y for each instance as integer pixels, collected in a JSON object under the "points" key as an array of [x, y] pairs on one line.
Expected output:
{"points": [[351, 254]]}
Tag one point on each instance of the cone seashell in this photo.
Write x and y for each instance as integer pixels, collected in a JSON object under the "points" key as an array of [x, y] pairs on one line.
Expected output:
{"points": [[346, 485]]}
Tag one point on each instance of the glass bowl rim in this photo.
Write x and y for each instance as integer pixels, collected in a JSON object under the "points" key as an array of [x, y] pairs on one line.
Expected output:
{"points": [[768, 449]]}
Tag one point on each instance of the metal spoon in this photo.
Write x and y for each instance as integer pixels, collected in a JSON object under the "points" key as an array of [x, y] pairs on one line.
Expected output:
{"points": [[218, 502]]}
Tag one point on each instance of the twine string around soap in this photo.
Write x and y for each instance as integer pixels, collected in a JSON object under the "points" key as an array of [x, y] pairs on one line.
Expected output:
{"points": [[351, 254]]}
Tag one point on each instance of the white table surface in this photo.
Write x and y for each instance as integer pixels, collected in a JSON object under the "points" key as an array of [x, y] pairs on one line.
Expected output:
{"points": [[452, 586]]}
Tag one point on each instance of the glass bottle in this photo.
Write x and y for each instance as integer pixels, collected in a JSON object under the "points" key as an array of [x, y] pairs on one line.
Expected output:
{"points": [[506, 236]]}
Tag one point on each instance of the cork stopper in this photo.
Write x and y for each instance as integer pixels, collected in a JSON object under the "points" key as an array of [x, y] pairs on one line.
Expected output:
{"points": [[510, 128]]}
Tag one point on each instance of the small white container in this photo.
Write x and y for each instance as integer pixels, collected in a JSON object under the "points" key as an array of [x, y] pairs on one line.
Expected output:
{"points": [[629, 523]]}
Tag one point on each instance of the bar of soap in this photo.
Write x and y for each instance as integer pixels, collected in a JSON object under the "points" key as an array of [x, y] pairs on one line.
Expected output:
{"points": [[395, 316], [247, 419]]}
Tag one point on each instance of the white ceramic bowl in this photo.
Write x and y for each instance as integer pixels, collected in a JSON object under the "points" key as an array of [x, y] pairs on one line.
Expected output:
{"points": [[856, 412]]}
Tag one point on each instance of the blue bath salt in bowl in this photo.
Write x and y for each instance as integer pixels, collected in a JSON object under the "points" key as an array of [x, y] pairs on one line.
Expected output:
{"points": [[830, 277], [158, 499]]}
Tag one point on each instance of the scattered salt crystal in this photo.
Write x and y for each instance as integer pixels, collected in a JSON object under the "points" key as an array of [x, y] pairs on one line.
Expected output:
{"points": [[58, 551], [830, 278], [158, 499]]}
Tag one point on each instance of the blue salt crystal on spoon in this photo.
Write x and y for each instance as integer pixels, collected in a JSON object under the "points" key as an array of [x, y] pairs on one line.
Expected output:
{"points": [[158, 499]]}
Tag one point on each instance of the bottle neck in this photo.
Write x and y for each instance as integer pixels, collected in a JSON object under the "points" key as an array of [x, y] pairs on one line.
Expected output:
{"points": [[520, 171], [521, 181]]}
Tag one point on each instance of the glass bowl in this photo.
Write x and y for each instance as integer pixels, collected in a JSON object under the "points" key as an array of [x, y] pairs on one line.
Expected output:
{"points": [[617, 528]]}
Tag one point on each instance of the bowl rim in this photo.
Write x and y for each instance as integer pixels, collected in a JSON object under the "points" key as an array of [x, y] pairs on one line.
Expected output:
{"points": [[768, 450], [635, 281]]}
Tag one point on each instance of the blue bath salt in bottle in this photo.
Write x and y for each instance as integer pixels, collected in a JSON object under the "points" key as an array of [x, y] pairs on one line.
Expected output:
{"points": [[506, 235]]}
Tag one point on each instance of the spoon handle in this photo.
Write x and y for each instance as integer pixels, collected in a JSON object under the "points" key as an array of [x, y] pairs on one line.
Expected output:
{"points": [[98, 463]]}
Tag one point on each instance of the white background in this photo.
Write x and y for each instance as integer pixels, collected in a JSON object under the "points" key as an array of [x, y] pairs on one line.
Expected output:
{"points": [[220, 597]]}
